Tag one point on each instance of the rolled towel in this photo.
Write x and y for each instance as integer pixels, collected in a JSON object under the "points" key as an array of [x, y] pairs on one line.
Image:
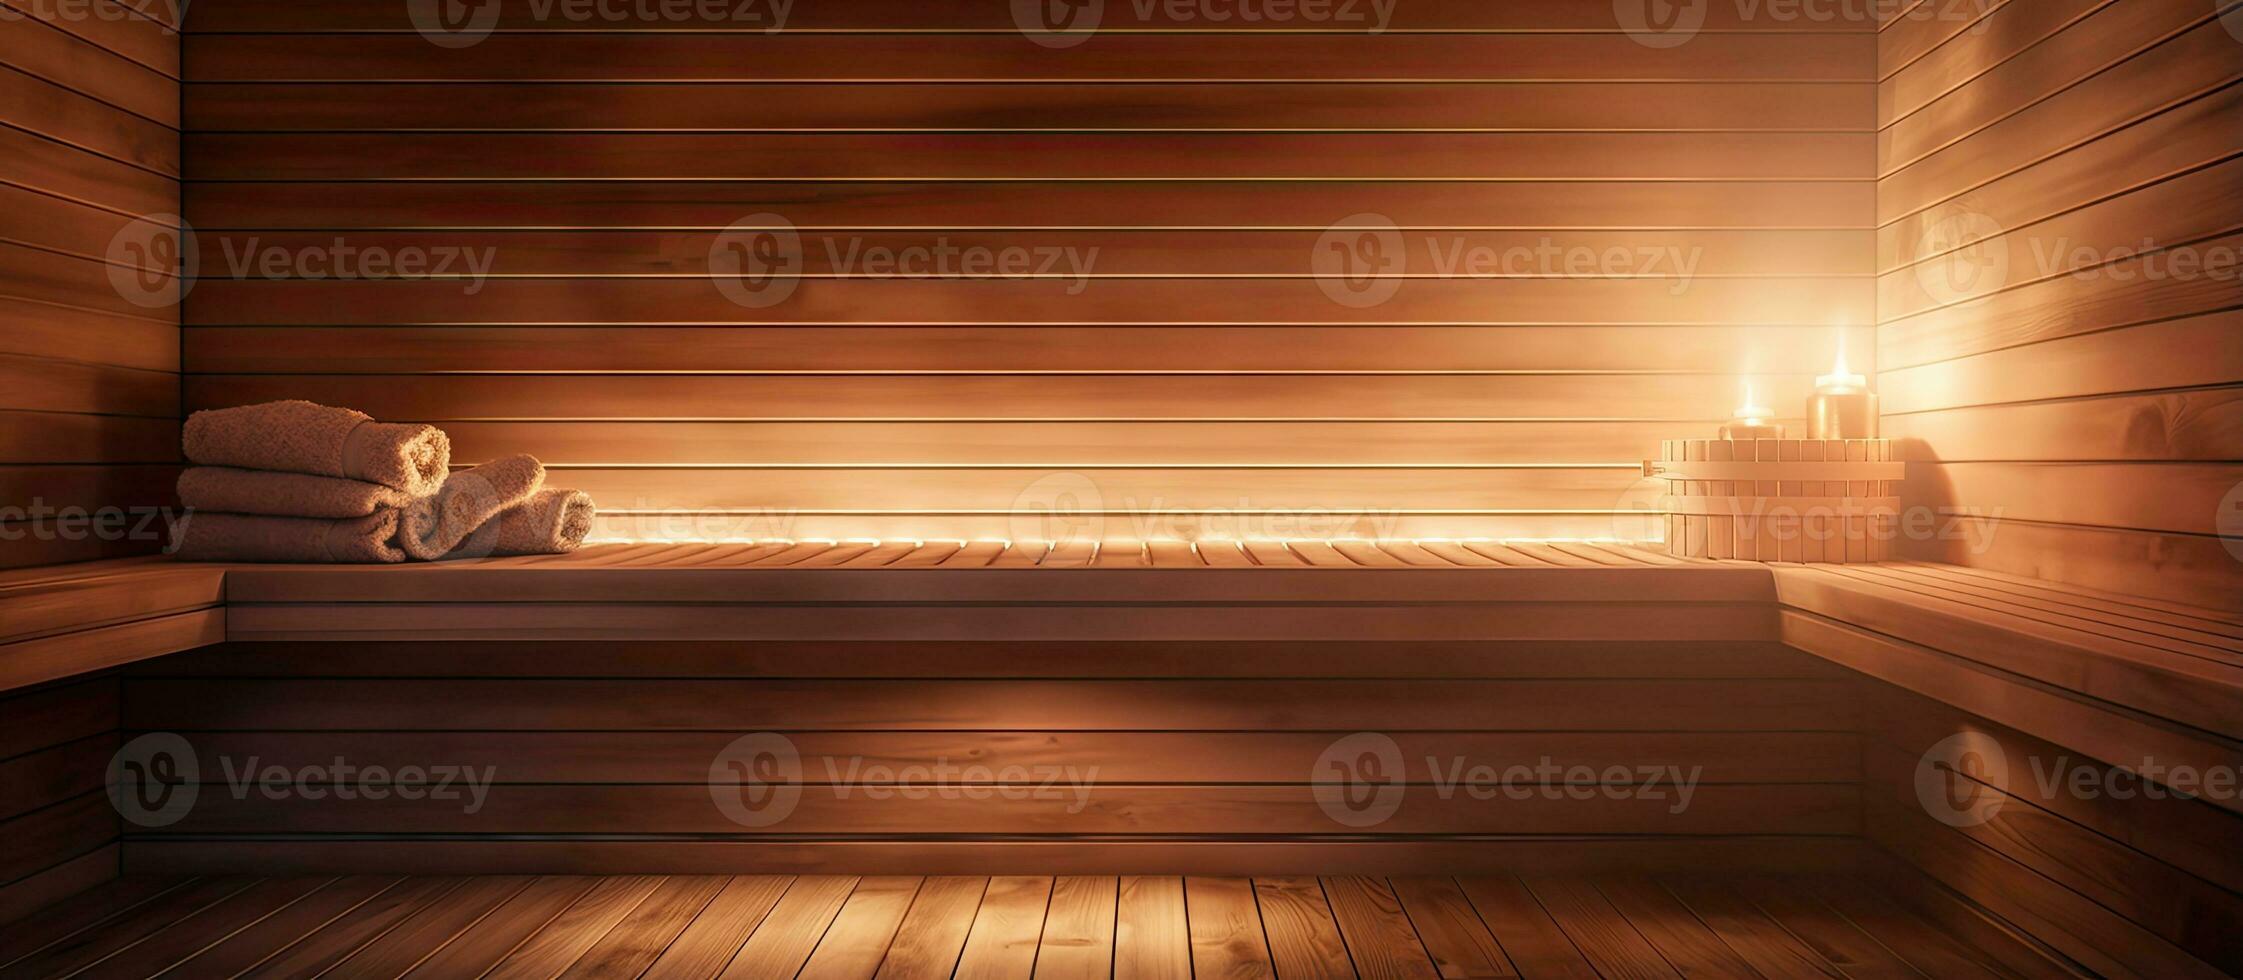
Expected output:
{"points": [[206, 536], [435, 526], [228, 490], [300, 437], [551, 522]]}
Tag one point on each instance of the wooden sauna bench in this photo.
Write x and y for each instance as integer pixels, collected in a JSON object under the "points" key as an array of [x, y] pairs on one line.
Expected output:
{"points": [[1204, 681]]}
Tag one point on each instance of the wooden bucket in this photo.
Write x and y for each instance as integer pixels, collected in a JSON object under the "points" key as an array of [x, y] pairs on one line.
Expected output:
{"points": [[1828, 501]]}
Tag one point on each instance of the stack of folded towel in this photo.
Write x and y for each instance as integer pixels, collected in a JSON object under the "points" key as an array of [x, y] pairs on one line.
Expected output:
{"points": [[298, 482]]}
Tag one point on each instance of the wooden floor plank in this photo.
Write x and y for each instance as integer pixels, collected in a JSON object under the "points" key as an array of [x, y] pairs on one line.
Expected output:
{"points": [[1297, 921], [709, 942], [1452, 932], [1767, 946], [783, 941], [1673, 930], [1152, 939], [1833, 937], [507, 927], [1931, 951], [244, 949], [90, 909], [1078, 942], [1006, 930], [335, 942], [397, 951], [1379, 937], [933, 933], [192, 934], [1226, 929], [557, 946], [637, 941], [862, 932], [1533, 941], [1599, 931], [72, 952]]}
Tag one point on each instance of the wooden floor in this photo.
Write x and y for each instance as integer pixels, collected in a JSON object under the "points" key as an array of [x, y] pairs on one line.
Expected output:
{"points": [[774, 926]]}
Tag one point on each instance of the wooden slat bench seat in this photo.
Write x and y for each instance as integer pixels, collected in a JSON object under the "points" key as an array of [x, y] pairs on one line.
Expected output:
{"points": [[1204, 680], [68, 620]]}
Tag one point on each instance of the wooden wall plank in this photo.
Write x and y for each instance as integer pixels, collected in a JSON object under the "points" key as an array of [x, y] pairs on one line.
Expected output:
{"points": [[904, 15], [89, 116], [2200, 425], [1309, 205], [971, 106], [710, 55]]}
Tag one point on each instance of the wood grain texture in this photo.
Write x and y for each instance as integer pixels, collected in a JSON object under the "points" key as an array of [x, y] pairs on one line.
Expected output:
{"points": [[2047, 150], [1202, 165], [89, 122], [197, 913]]}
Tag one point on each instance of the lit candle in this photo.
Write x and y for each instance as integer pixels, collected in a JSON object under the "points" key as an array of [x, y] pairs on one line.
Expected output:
{"points": [[1842, 406], [1751, 420]]}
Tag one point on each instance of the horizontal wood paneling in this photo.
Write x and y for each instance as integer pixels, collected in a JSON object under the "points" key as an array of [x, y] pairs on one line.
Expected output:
{"points": [[2090, 874], [969, 106], [1054, 348], [148, 36], [715, 56], [1077, 156], [2199, 351], [1203, 164], [1299, 205], [2080, 153], [1006, 396], [1431, 15], [89, 368], [2200, 425], [1224, 748], [59, 829]]}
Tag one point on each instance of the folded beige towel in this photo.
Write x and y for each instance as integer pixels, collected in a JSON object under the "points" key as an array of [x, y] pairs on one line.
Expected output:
{"points": [[552, 522], [438, 525], [205, 536], [300, 437], [228, 490]]}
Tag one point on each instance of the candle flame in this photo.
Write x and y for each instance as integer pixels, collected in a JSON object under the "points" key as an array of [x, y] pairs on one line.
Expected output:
{"points": [[1752, 412], [1840, 377]]}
